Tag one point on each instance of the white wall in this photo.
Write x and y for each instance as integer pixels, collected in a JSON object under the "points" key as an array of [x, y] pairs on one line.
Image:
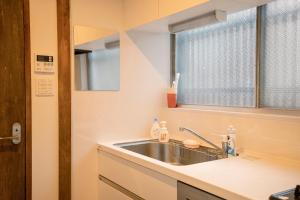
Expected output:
{"points": [[44, 109], [104, 115], [100, 116], [91, 13], [272, 134]]}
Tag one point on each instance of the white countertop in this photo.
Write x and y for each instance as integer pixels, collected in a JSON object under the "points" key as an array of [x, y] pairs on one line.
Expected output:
{"points": [[249, 176]]}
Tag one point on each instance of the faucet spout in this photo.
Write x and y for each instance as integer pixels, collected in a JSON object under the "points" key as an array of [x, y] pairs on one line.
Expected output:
{"points": [[181, 129]]}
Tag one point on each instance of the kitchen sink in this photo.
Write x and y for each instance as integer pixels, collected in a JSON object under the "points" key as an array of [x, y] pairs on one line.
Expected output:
{"points": [[172, 152]]}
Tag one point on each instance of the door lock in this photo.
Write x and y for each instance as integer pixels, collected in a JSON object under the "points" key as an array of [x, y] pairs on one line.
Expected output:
{"points": [[16, 134]]}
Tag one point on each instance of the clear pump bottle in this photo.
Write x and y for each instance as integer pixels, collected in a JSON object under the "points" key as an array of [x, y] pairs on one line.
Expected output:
{"points": [[164, 133]]}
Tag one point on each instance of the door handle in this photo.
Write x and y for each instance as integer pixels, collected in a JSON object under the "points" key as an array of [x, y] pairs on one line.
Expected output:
{"points": [[16, 134]]}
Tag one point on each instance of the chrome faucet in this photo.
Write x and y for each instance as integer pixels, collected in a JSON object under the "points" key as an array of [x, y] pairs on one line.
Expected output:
{"points": [[224, 144]]}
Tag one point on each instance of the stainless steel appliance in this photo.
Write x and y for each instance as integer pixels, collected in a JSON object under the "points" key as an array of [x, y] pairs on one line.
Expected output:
{"points": [[292, 194]]}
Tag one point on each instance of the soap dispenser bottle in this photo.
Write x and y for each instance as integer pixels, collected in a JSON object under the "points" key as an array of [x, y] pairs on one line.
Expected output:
{"points": [[163, 133], [155, 129], [231, 148]]}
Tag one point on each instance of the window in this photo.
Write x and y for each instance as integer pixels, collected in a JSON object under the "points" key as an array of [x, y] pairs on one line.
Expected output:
{"points": [[280, 54], [218, 63]]}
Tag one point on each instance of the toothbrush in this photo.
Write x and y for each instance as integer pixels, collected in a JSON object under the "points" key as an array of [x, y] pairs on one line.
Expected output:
{"points": [[176, 80], [174, 84]]}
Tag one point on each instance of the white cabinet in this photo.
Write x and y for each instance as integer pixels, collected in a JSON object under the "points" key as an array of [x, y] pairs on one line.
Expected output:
{"points": [[188, 192], [157, 15], [106, 192], [169, 7], [137, 12], [135, 178]]}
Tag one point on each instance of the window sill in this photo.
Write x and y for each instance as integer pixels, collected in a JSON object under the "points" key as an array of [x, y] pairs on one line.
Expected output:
{"points": [[245, 112]]}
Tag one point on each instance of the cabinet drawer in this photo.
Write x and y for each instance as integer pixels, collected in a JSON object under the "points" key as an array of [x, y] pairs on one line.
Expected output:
{"points": [[187, 192], [106, 192], [139, 180]]}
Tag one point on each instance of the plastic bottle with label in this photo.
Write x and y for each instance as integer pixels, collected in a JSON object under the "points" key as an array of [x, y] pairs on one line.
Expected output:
{"points": [[164, 133], [155, 129], [231, 148]]}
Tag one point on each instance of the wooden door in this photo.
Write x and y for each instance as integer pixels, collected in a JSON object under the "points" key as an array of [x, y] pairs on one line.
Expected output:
{"points": [[12, 100]]}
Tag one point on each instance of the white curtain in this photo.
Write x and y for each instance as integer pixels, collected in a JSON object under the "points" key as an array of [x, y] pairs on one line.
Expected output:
{"points": [[217, 62], [280, 75]]}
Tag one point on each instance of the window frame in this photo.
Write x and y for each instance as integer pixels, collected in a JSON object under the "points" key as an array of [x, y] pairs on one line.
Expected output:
{"points": [[258, 56]]}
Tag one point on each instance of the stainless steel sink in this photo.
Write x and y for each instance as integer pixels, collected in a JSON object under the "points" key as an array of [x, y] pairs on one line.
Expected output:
{"points": [[172, 152]]}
